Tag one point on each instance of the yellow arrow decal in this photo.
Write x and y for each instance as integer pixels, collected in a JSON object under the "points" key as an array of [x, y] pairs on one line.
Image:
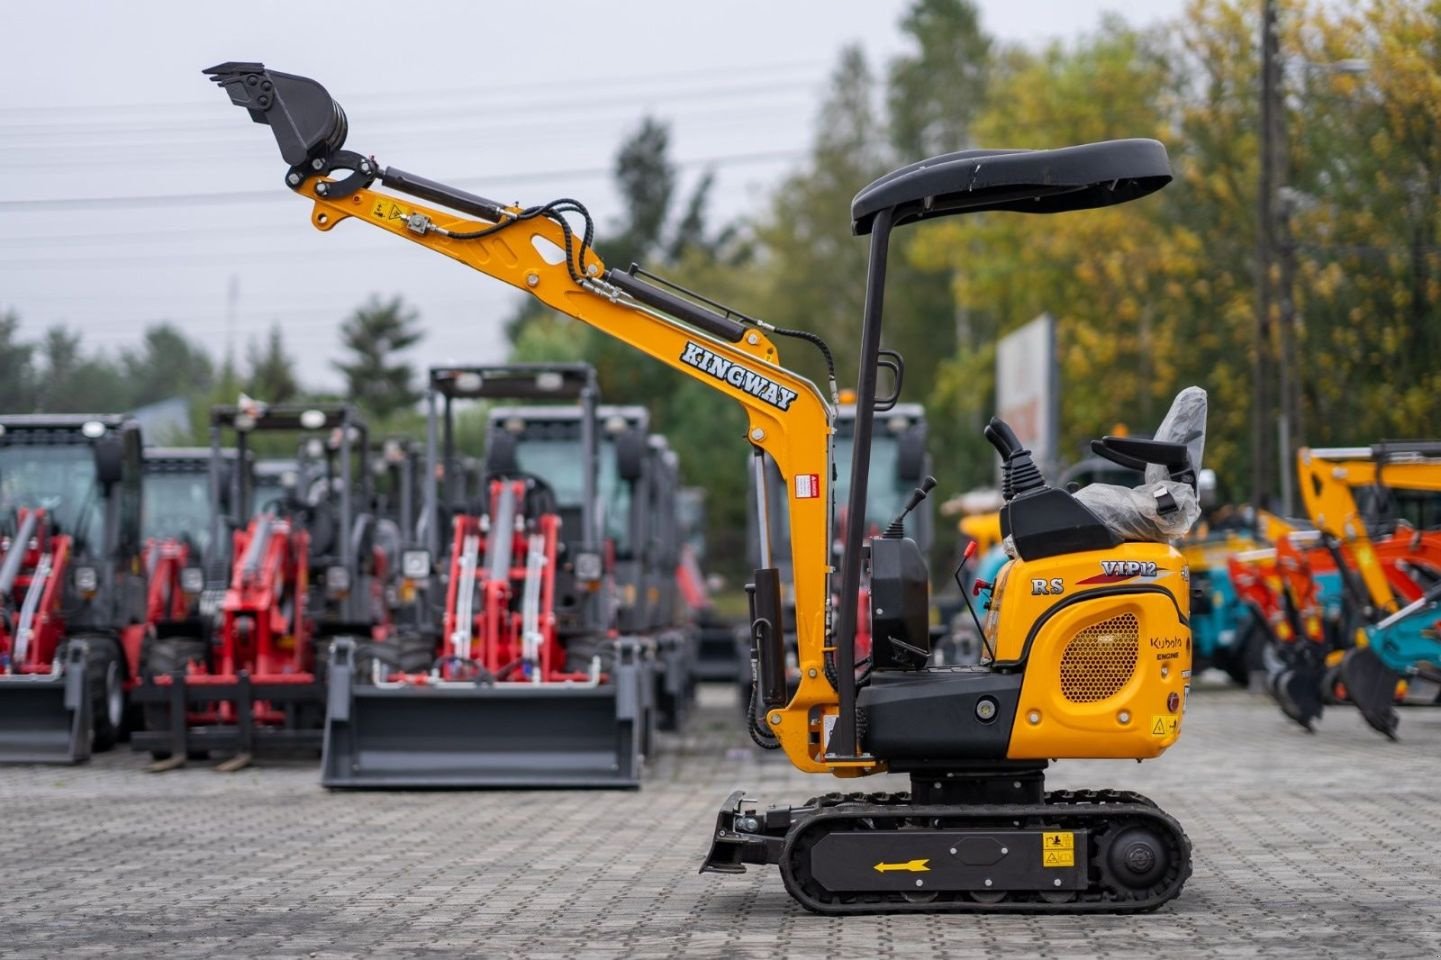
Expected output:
{"points": [[911, 866]]}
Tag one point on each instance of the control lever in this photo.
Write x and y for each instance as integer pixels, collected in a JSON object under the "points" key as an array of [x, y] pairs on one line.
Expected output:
{"points": [[897, 529], [960, 567]]}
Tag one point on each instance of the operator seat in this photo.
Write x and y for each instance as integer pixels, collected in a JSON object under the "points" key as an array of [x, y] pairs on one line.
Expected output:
{"points": [[1167, 504], [1040, 521]]}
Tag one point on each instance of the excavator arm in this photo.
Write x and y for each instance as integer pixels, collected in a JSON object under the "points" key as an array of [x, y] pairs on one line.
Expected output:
{"points": [[1328, 481], [537, 250]]}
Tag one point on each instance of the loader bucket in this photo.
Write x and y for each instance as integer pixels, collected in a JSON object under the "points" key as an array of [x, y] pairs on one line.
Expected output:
{"points": [[507, 736], [46, 719]]}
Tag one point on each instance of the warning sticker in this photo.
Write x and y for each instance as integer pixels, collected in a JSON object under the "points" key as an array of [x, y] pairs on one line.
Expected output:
{"points": [[1058, 849], [1059, 841], [808, 486], [388, 210], [1164, 726]]}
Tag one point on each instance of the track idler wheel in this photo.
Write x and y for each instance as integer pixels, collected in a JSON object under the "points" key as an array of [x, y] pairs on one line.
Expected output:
{"points": [[1137, 858]]}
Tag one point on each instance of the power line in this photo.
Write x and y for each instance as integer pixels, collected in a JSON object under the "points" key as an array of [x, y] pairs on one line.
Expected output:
{"points": [[456, 136], [592, 85], [254, 196], [551, 110]]}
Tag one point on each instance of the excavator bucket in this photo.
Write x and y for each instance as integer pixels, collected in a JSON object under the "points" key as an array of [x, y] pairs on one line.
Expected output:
{"points": [[1371, 686], [457, 735], [305, 120], [46, 718]]}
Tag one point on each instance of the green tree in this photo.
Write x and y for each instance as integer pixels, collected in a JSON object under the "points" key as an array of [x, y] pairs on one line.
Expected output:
{"points": [[17, 374], [936, 89], [814, 274], [272, 370], [166, 364], [72, 382], [646, 179], [373, 335]]}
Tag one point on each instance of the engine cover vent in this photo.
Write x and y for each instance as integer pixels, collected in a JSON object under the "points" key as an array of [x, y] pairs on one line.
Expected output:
{"points": [[1100, 659]]}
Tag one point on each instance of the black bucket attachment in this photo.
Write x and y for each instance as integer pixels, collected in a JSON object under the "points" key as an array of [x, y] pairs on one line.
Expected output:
{"points": [[505, 735], [242, 740], [717, 657], [1371, 686], [46, 719], [307, 123]]}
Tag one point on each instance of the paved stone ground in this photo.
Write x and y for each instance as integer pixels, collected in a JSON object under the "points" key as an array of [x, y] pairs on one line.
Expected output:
{"points": [[1324, 846]]}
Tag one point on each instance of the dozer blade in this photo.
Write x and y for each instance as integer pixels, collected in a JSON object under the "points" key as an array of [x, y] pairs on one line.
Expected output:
{"points": [[508, 735], [46, 719]]}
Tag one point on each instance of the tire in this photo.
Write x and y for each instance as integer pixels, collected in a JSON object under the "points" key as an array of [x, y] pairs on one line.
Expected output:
{"points": [[164, 657], [412, 652], [105, 678], [581, 650]]}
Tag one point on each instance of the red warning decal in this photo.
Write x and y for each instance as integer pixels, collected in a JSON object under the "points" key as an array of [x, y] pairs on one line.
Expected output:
{"points": [[808, 486]]}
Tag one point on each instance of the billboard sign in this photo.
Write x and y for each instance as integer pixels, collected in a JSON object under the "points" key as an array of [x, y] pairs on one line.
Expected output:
{"points": [[1028, 388]]}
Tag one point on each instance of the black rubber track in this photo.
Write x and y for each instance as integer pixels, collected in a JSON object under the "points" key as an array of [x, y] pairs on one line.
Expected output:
{"points": [[1102, 813]]}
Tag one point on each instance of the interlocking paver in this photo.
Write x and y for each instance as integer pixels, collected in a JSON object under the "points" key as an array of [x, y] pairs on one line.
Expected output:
{"points": [[1306, 846]]}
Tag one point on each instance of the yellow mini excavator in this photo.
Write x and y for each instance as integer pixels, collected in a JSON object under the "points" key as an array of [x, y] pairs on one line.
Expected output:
{"points": [[1087, 633]]}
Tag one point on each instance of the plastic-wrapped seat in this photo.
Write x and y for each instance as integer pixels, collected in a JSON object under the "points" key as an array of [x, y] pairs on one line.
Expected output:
{"points": [[1167, 504]]}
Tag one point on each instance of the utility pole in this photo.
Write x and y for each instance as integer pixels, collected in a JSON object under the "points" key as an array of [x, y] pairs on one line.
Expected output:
{"points": [[232, 300], [1262, 359]]}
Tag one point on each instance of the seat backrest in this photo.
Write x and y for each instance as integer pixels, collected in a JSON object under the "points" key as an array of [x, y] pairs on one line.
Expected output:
{"points": [[1161, 509], [1184, 423]]}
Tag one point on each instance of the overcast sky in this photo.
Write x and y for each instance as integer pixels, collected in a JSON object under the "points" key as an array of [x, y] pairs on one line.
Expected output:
{"points": [[524, 100]]}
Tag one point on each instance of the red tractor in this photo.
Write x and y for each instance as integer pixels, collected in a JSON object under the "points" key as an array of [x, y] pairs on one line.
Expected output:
{"points": [[301, 574], [72, 595], [521, 679]]}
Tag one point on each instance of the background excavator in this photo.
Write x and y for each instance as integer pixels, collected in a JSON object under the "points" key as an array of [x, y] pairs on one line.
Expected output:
{"points": [[899, 461], [1088, 637], [1350, 495], [641, 533]]}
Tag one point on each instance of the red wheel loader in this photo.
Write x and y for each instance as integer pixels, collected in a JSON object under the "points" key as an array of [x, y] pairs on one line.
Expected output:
{"points": [[639, 487], [521, 680], [301, 573], [72, 594]]}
